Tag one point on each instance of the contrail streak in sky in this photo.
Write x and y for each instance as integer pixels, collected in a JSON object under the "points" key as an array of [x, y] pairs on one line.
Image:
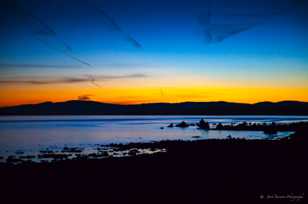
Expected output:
{"points": [[46, 29], [243, 21], [116, 27], [50, 32]]}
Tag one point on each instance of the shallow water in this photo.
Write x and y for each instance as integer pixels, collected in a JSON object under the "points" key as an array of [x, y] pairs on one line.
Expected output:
{"points": [[29, 134]]}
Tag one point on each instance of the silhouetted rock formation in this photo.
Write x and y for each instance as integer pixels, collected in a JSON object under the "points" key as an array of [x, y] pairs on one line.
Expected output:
{"points": [[170, 125], [203, 125], [182, 124], [219, 126]]}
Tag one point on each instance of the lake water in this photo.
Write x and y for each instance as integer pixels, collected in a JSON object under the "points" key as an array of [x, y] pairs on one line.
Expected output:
{"points": [[33, 133]]}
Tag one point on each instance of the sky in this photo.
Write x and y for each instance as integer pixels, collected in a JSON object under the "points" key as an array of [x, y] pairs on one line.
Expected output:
{"points": [[146, 51]]}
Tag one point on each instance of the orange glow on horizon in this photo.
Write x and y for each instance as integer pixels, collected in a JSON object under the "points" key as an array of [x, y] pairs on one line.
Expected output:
{"points": [[16, 95]]}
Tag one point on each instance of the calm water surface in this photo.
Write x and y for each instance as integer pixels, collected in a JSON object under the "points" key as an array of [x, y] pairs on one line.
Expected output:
{"points": [[34, 133]]}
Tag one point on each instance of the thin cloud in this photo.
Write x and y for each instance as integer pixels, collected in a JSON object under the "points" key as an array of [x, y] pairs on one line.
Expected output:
{"points": [[86, 97], [60, 66], [93, 80], [102, 77], [71, 80], [26, 65]]}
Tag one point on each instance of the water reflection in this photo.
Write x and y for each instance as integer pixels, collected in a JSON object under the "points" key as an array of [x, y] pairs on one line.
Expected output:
{"points": [[33, 133]]}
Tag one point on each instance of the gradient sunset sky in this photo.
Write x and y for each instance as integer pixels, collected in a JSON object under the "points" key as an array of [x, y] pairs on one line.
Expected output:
{"points": [[144, 51]]}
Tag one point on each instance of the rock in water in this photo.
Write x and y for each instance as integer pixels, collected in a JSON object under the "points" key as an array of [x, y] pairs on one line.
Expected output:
{"points": [[170, 125], [203, 125], [183, 124]]}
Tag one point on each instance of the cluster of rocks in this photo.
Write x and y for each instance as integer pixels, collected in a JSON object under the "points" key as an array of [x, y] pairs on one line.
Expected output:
{"points": [[267, 128], [201, 125]]}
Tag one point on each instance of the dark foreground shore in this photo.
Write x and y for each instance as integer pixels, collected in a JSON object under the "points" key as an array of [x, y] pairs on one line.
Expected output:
{"points": [[218, 171]]}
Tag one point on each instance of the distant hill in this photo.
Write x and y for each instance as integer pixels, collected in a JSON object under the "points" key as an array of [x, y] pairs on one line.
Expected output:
{"points": [[76, 107]]}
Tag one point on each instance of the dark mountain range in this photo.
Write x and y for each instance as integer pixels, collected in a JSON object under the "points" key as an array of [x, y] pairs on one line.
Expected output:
{"points": [[76, 107]]}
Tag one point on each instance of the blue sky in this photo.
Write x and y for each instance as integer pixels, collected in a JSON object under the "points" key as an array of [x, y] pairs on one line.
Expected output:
{"points": [[157, 39]]}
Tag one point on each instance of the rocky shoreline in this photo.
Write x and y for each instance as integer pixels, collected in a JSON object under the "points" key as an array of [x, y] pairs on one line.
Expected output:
{"points": [[227, 170], [122, 150]]}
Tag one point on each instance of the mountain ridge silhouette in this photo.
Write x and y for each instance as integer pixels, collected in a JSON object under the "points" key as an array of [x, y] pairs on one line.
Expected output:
{"points": [[82, 107]]}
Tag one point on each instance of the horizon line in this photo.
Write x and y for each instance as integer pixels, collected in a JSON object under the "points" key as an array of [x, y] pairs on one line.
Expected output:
{"points": [[131, 104]]}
